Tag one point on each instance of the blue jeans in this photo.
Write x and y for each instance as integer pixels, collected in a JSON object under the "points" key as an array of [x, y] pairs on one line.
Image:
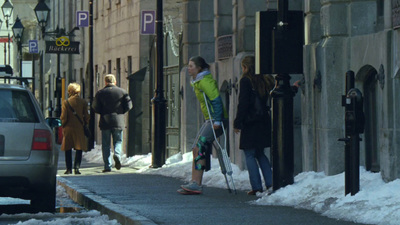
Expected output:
{"points": [[252, 156], [106, 146]]}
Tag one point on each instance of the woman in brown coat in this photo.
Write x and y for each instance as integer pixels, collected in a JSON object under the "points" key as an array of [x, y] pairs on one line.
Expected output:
{"points": [[73, 135]]}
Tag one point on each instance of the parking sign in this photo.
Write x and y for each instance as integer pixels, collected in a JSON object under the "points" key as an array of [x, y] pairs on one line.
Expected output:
{"points": [[148, 22], [33, 46], [82, 18]]}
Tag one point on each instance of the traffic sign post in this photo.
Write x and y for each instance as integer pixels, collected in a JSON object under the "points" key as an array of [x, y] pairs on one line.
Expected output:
{"points": [[148, 23]]}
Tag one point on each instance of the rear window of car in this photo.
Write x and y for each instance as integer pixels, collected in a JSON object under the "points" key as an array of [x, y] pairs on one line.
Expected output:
{"points": [[16, 106]]}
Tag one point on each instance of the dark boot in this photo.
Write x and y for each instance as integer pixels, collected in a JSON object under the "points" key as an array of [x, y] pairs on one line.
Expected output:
{"points": [[78, 160], [68, 161]]}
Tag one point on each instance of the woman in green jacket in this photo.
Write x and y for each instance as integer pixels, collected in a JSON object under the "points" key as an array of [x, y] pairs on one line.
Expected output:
{"points": [[206, 90]]}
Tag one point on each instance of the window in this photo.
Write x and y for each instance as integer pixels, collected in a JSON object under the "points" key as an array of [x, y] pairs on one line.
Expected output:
{"points": [[380, 7], [109, 66], [95, 9], [118, 75], [74, 76], [129, 65], [108, 4], [97, 75], [16, 106]]}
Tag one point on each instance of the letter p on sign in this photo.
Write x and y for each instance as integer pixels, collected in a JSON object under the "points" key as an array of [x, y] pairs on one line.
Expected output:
{"points": [[82, 18], [148, 22], [33, 46]]}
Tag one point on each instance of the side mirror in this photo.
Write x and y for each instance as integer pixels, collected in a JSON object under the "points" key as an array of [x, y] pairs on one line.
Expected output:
{"points": [[53, 122]]}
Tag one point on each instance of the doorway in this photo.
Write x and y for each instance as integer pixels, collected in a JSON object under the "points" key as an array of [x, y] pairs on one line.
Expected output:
{"points": [[371, 126]]}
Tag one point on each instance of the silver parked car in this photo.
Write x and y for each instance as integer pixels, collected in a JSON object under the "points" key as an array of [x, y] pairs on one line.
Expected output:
{"points": [[28, 157]]}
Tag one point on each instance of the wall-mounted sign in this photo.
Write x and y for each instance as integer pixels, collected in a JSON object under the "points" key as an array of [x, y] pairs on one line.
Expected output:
{"points": [[82, 18], [148, 22], [62, 46]]}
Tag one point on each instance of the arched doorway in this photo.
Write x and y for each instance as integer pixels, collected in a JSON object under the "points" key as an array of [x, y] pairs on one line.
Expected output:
{"points": [[368, 75]]}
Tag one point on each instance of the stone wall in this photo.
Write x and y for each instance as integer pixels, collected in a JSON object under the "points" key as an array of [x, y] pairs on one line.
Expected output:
{"points": [[355, 36]]}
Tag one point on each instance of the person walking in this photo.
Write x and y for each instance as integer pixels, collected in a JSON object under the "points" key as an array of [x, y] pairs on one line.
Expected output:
{"points": [[254, 129], [73, 134], [111, 103], [203, 82]]}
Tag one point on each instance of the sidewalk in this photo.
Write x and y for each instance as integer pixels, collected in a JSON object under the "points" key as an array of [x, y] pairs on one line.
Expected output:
{"points": [[134, 198]]}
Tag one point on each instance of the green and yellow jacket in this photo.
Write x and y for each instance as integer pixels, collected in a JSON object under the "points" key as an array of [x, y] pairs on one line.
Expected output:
{"points": [[205, 83]]}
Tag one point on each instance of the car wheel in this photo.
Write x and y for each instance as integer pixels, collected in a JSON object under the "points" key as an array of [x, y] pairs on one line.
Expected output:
{"points": [[45, 201]]}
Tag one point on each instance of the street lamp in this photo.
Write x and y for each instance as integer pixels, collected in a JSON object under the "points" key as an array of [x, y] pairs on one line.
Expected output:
{"points": [[7, 9], [42, 15], [18, 31]]}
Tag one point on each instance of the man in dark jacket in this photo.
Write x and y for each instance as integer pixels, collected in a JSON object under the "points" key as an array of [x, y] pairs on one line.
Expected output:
{"points": [[111, 103]]}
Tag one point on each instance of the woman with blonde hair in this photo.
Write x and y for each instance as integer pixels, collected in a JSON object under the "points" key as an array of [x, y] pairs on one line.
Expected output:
{"points": [[254, 128], [73, 134]]}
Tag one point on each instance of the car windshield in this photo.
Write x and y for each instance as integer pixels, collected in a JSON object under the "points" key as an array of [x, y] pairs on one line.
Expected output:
{"points": [[16, 106]]}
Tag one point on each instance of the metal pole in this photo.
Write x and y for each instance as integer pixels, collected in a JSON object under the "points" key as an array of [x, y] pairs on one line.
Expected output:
{"points": [[9, 48], [354, 163], [58, 92], [347, 145], [5, 53], [283, 8], [42, 83], [33, 74], [282, 116], [91, 77], [159, 102], [20, 60]]}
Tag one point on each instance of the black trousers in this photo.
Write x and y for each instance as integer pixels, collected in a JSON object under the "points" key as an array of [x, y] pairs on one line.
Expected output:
{"points": [[68, 159]]}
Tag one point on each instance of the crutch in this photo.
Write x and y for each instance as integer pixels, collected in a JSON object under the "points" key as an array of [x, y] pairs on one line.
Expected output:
{"points": [[223, 158], [198, 136]]}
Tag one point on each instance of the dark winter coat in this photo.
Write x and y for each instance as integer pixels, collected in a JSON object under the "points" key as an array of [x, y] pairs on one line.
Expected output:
{"points": [[253, 134], [112, 103], [73, 135]]}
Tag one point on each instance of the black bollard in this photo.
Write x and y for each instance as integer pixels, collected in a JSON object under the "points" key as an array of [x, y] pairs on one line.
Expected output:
{"points": [[347, 145], [354, 125], [282, 132]]}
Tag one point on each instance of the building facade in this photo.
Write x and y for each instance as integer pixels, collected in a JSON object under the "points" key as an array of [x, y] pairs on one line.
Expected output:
{"points": [[340, 35], [360, 36]]}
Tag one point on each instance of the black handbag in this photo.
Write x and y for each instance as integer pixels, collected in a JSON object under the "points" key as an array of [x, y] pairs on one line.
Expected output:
{"points": [[86, 129]]}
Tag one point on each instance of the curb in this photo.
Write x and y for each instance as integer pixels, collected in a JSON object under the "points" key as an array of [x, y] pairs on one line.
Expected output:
{"points": [[94, 202]]}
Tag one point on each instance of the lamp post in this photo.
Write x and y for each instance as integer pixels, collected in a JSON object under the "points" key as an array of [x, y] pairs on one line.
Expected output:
{"points": [[42, 15], [159, 101], [18, 31], [5, 46], [42, 12], [7, 9], [91, 76]]}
